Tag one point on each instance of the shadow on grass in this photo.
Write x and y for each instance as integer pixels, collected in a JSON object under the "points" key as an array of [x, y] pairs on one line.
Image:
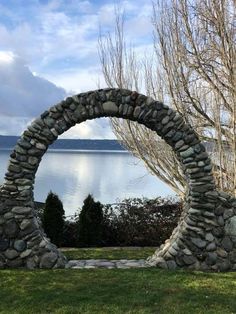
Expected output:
{"points": [[117, 291]]}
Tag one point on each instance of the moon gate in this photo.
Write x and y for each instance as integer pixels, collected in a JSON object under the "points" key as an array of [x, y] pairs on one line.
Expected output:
{"points": [[205, 237]]}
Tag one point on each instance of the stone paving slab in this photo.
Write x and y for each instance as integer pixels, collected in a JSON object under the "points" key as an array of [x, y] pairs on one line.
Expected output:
{"points": [[109, 264]]}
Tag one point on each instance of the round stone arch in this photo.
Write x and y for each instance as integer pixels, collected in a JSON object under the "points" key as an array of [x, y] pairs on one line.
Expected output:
{"points": [[205, 237]]}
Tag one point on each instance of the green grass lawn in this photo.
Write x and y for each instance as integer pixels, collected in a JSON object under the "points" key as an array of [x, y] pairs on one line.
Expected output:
{"points": [[116, 291], [109, 253], [108, 291]]}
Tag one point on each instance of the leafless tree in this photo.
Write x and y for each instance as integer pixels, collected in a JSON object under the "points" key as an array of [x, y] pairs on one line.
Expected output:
{"points": [[193, 70]]}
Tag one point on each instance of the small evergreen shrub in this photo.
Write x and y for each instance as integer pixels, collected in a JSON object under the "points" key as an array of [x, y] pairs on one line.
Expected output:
{"points": [[90, 223], [70, 234], [53, 219]]}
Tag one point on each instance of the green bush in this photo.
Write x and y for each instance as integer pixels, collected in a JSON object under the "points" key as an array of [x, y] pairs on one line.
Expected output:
{"points": [[132, 222], [140, 222], [53, 218], [90, 223], [70, 234]]}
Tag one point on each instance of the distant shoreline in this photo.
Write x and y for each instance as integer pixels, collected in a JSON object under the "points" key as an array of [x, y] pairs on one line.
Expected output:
{"points": [[68, 150], [70, 145]]}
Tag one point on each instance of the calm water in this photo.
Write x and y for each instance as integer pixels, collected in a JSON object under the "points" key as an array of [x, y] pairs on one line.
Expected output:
{"points": [[109, 176]]}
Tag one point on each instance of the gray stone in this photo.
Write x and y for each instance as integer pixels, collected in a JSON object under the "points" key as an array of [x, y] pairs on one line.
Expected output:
{"points": [[208, 168], [201, 156], [105, 264], [173, 251], [227, 244], [21, 210], [165, 120], [187, 251], [178, 135], [54, 132], [49, 122], [14, 263], [224, 266], [33, 160], [209, 237], [25, 224], [179, 144], [110, 107], [158, 262], [199, 148], [20, 157], [211, 258], [11, 254], [24, 187], [41, 146], [11, 228], [221, 221], [218, 232], [35, 152], [171, 264], [26, 253], [221, 252], [201, 164], [189, 259], [211, 247], [23, 143], [14, 168], [8, 215], [202, 188], [137, 111], [20, 150], [169, 126], [228, 213], [19, 245], [187, 153], [4, 243], [23, 181], [232, 256], [230, 226], [219, 210], [170, 134], [48, 260], [193, 170], [199, 242]]}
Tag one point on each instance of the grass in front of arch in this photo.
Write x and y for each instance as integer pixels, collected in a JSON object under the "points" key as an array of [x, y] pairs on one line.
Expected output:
{"points": [[116, 291], [108, 253]]}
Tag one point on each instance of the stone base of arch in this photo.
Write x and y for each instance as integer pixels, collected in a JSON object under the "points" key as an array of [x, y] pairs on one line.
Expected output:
{"points": [[203, 240], [209, 245], [23, 243]]}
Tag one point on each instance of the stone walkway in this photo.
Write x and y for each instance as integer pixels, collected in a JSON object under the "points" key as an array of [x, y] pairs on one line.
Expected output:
{"points": [[109, 264]]}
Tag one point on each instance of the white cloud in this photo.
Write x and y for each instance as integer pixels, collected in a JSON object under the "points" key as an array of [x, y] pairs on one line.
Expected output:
{"points": [[24, 96], [58, 41], [61, 33], [78, 80], [97, 129]]}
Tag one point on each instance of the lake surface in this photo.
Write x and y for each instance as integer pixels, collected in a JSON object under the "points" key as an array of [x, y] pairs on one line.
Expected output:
{"points": [[108, 176]]}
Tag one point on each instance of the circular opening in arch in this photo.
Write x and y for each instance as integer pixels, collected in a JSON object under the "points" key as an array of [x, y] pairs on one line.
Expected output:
{"points": [[110, 175], [74, 167]]}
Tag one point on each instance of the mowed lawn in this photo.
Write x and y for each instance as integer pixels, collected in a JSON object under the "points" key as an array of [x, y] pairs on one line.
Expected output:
{"points": [[109, 253], [116, 291]]}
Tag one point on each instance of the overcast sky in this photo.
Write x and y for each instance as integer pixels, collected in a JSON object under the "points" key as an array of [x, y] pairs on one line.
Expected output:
{"points": [[48, 50]]}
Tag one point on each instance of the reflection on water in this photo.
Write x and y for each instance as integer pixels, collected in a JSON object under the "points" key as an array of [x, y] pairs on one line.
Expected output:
{"points": [[108, 176]]}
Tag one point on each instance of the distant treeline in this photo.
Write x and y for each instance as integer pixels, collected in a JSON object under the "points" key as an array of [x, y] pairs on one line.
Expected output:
{"points": [[8, 142]]}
